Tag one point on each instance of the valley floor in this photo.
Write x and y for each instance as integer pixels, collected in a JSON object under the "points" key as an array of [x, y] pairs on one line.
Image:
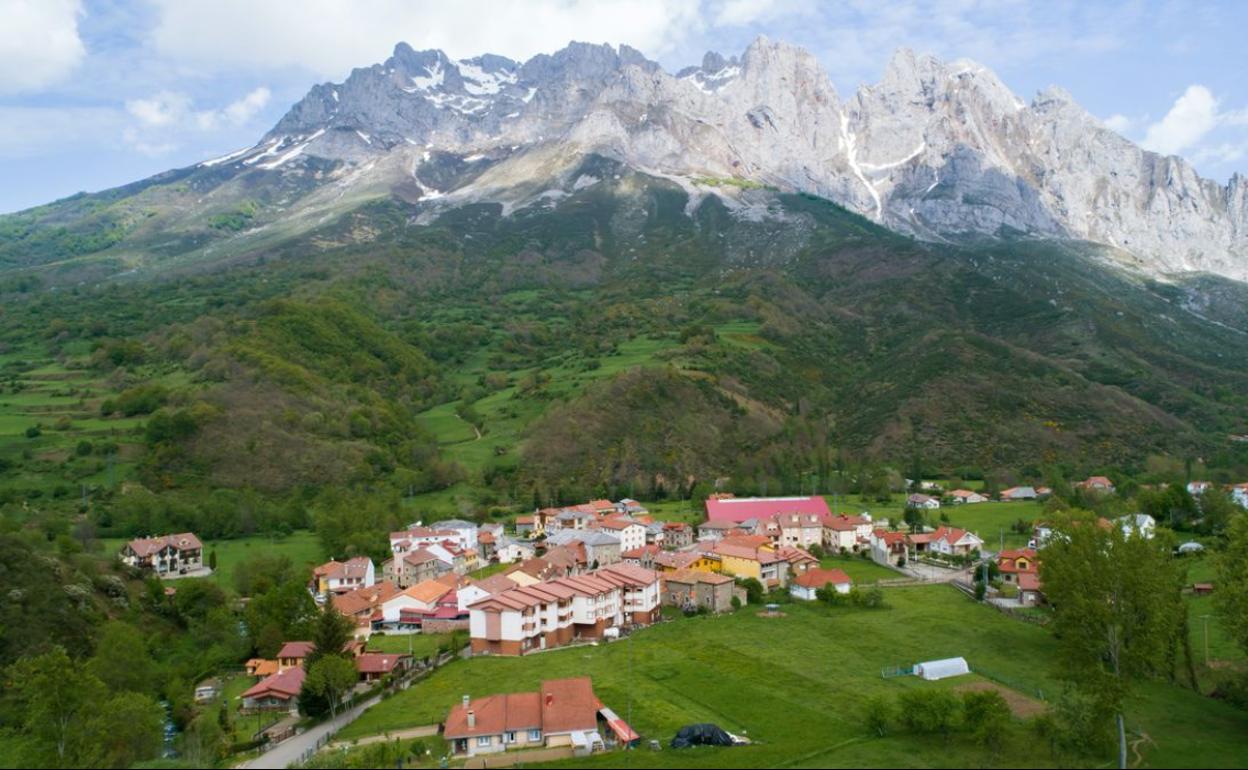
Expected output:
{"points": [[797, 687]]}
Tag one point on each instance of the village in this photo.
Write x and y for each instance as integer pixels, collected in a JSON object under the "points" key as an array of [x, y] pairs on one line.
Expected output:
{"points": [[598, 572]]}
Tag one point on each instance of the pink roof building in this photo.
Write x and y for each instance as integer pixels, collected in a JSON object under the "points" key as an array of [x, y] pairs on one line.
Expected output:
{"points": [[738, 509]]}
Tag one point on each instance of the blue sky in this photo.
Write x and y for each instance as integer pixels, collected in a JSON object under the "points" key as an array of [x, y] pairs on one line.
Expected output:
{"points": [[97, 93]]}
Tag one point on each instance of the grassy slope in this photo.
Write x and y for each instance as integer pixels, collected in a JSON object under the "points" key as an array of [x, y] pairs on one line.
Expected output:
{"points": [[808, 675]]}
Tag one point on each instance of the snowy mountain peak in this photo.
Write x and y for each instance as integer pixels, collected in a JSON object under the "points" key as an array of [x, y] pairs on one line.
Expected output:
{"points": [[936, 149]]}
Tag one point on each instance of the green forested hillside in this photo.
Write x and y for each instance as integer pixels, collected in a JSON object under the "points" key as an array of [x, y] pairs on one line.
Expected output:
{"points": [[614, 340]]}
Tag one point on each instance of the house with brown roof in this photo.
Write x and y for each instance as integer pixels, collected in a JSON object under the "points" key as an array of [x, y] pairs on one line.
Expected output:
{"points": [[335, 577], [1013, 562], [689, 589], [1020, 567], [398, 610], [967, 497], [952, 541], [260, 667], [755, 556], [566, 609], [563, 712], [527, 526], [279, 692], [799, 530], [842, 532], [414, 566], [631, 534], [807, 585], [925, 502], [293, 654], [373, 666], [1100, 484], [886, 546], [676, 535], [362, 604], [1017, 494], [165, 555]]}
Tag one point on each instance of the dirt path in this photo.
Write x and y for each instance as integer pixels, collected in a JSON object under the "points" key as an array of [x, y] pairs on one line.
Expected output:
{"points": [[424, 731], [1135, 748], [1022, 706]]}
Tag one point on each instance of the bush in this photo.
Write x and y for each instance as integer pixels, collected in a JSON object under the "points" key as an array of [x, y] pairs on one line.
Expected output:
{"points": [[34, 431], [753, 590], [929, 711], [871, 598], [987, 716], [879, 715]]}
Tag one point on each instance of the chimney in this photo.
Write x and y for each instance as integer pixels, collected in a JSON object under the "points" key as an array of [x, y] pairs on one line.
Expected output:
{"points": [[466, 701], [550, 699], [472, 719]]}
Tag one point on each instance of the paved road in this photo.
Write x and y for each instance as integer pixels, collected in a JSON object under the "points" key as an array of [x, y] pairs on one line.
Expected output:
{"points": [[933, 574], [293, 749]]}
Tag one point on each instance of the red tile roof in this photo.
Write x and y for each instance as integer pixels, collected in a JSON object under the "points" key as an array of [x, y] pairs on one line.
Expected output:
{"points": [[496, 714], [378, 662], [569, 704], [297, 650], [283, 685], [361, 600], [819, 577], [560, 706], [149, 546]]}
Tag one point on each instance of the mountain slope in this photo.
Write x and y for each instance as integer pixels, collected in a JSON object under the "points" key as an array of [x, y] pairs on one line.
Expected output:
{"points": [[941, 151]]}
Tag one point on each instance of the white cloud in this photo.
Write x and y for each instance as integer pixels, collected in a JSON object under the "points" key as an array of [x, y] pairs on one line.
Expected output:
{"points": [[39, 43], [162, 118], [242, 111], [1192, 117], [329, 37], [1120, 123], [163, 109]]}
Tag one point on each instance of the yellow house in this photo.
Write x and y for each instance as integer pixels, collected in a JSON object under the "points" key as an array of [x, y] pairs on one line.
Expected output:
{"points": [[746, 556], [755, 556]]}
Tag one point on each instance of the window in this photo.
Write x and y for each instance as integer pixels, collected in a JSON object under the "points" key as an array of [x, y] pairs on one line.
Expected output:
{"points": [[535, 735], [509, 737], [483, 740]]}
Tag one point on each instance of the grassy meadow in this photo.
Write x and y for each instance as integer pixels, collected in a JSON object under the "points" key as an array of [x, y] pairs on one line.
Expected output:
{"points": [[806, 677]]}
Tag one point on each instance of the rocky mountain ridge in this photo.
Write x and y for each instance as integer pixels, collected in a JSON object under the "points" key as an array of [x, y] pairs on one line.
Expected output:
{"points": [[938, 150]]}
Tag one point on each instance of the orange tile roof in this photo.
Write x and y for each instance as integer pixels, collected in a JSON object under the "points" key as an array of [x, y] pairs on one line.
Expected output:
{"points": [[819, 577], [495, 714], [427, 591]]}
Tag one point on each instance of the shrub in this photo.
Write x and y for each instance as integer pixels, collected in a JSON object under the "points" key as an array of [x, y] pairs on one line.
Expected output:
{"points": [[929, 711], [987, 716], [879, 715]]}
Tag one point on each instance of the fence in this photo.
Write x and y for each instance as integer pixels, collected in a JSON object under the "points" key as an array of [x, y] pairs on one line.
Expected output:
{"points": [[1013, 684]]}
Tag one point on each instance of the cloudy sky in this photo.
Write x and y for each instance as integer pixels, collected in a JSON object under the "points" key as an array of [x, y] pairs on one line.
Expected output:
{"points": [[96, 93]]}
